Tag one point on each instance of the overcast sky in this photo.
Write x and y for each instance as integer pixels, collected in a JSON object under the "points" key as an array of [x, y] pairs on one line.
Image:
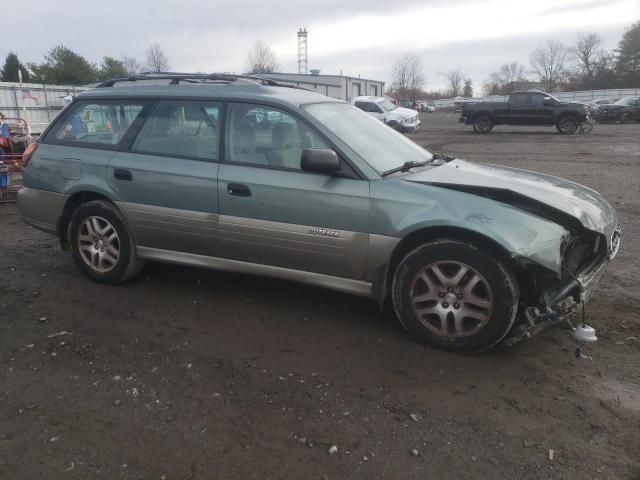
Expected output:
{"points": [[356, 37]]}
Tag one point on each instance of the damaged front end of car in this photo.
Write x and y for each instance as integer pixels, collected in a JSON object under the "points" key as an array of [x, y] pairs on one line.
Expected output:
{"points": [[556, 298], [560, 235], [557, 280]]}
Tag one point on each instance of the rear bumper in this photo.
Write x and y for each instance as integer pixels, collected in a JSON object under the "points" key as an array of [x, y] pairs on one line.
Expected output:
{"points": [[41, 209]]}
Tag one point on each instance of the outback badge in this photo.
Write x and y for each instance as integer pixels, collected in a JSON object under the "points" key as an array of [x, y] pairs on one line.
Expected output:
{"points": [[324, 232]]}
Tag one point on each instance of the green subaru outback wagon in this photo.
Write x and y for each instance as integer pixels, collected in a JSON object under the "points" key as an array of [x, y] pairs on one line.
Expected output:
{"points": [[243, 174]]}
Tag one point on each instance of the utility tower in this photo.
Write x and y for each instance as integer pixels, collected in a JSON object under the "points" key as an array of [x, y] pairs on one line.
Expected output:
{"points": [[302, 51]]}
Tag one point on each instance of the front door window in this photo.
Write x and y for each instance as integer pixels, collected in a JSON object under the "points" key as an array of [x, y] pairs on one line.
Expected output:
{"points": [[267, 136]]}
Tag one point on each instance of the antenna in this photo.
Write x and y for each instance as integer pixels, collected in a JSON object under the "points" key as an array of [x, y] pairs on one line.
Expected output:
{"points": [[302, 51]]}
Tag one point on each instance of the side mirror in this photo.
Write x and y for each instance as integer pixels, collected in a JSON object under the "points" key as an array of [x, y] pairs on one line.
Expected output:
{"points": [[547, 102], [320, 160]]}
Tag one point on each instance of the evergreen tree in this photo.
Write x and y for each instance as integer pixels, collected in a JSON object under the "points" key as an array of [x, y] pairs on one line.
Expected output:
{"points": [[111, 68], [63, 66], [9, 72], [628, 56], [467, 92]]}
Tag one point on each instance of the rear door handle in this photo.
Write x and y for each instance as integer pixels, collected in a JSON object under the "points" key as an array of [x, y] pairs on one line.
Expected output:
{"points": [[121, 174], [238, 189]]}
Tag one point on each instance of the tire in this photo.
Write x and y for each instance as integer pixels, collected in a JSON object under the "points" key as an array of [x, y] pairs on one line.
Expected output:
{"points": [[567, 125], [395, 126], [444, 304], [97, 253], [625, 118], [482, 124]]}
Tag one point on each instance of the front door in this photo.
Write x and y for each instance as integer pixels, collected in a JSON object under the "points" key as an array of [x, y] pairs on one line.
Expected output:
{"points": [[167, 182], [273, 213]]}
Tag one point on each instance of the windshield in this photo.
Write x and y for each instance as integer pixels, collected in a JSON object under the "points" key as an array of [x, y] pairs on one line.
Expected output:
{"points": [[387, 105], [377, 144], [625, 101]]}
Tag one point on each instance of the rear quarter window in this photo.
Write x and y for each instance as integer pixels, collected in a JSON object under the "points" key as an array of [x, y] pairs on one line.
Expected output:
{"points": [[95, 123]]}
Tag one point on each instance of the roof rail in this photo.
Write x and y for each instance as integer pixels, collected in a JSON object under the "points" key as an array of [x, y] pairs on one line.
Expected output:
{"points": [[175, 78]]}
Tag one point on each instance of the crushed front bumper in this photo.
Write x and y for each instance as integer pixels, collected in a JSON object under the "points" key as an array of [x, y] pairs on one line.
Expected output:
{"points": [[566, 302]]}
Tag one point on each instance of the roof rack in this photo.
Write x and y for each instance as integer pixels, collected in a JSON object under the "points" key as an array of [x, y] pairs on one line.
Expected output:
{"points": [[175, 78]]}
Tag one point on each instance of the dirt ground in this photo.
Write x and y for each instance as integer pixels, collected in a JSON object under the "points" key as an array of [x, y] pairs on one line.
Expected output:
{"points": [[194, 374]]}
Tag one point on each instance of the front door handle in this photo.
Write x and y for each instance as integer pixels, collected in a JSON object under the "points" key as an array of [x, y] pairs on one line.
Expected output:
{"points": [[121, 174], [238, 189]]}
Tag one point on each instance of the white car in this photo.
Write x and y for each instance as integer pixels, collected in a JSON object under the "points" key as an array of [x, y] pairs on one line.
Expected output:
{"points": [[427, 108], [402, 119]]}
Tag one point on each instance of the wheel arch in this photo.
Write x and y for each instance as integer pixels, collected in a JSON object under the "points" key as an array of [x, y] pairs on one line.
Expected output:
{"points": [[73, 202], [488, 113], [382, 284], [566, 114]]}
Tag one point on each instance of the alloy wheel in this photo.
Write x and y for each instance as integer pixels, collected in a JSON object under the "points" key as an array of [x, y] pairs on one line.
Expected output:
{"points": [[99, 244], [483, 124], [451, 298], [568, 125]]}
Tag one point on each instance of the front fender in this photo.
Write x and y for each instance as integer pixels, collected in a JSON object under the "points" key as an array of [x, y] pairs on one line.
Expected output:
{"points": [[417, 207]]}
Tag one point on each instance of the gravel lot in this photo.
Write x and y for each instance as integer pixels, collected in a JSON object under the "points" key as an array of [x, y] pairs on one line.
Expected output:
{"points": [[194, 374]]}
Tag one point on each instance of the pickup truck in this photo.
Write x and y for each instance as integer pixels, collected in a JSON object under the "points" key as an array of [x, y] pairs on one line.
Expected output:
{"points": [[525, 108]]}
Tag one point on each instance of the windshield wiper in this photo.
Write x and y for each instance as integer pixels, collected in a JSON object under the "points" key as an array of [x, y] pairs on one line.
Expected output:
{"points": [[404, 167]]}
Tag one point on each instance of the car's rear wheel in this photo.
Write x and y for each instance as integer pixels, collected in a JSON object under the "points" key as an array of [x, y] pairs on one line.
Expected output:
{"points": [[101, 244], [482, 124], [625, 117], [455, 296], [567, 125]]}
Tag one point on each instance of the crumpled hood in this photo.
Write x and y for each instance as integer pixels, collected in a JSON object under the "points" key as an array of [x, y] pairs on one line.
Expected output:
{"points": [[402, 112], [582, 203]]}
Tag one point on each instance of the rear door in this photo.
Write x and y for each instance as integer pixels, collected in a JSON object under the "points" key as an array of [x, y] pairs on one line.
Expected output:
{"points": [[371, 108], [520, 109], [83, 140], [167, 181], [273, 213]]}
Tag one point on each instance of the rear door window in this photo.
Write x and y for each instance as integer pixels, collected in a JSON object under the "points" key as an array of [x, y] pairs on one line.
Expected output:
{"points": [[521, 99], [97, 123], [182, 128], [363, 106]]}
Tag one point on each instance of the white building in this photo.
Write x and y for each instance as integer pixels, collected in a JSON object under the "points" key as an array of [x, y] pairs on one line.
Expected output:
{"points": [[337, 86]]}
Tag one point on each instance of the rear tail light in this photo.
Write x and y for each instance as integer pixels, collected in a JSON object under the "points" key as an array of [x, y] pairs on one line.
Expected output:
{"points": [[28, 153]]}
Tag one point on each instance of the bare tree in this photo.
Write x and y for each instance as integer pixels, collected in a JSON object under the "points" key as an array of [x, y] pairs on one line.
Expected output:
{"points": [[589, 57], [455, 79], [549, 63], [261, 59], [407, 78], [156, 59], [507, 79], [131, 65]]}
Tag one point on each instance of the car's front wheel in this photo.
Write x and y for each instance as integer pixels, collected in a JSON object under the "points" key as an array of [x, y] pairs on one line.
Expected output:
{"points": [[567, 125], [395, 125], [101, 244], [454, 295]]}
